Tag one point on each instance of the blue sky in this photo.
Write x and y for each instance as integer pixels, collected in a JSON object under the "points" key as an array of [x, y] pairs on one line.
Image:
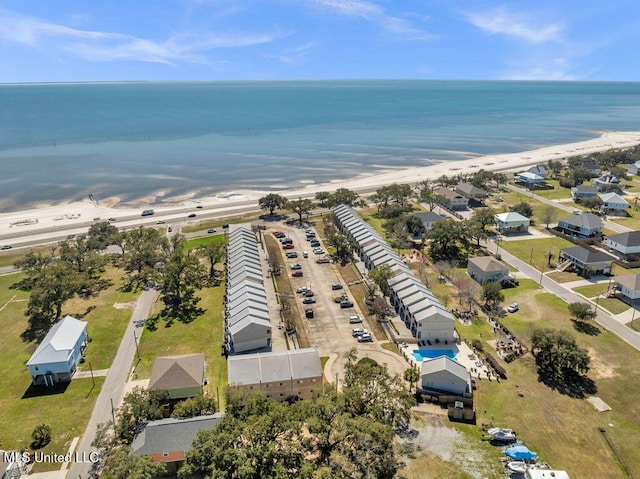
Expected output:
{"points": [[84, 40]]}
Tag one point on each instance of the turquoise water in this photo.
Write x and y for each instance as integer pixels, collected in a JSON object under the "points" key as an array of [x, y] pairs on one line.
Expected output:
{"points": [[422, 354], [133, 140]]}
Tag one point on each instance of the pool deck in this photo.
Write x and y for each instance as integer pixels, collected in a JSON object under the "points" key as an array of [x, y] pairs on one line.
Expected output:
{"points": [[464, 356]]}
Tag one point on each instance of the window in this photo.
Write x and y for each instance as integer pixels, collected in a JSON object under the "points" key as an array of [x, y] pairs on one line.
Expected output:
{"points": [[165, 454], [280, 384]]}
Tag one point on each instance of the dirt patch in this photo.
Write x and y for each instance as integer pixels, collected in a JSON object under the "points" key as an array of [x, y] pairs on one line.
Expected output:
{"points": [[129, 305], [599, 369], [430, 434]]}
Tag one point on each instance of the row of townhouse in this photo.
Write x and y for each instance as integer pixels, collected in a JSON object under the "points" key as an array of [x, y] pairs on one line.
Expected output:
{"points": [[247, 324], [421, 311]]}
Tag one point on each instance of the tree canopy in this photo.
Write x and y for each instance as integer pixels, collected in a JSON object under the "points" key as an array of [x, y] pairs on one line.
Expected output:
{"points": [[448, 240], [272, 202]]}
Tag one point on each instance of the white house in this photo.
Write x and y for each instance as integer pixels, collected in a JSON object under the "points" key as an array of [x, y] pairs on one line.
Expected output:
{"points": [[56, 357], [512, 222], [428, 218], [634, 168], [445, 375], [606, 180], [613, 203], [625, 243], [451, 199], [628, 285], [529, 179], [539, 170]]}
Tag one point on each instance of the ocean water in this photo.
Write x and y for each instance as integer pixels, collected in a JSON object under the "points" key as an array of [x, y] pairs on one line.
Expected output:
{"points": [[161, 140]]}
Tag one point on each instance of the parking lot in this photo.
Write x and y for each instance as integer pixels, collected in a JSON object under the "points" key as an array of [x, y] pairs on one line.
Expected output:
{"points": [[329, 330]]}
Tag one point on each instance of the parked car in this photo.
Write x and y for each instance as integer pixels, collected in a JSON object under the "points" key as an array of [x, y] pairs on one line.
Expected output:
{"points": [[353, 319], [288, 246], [296, 266], [336, 286], [324, 260], [297, 274], [305, 254], [169, 229], [279, 234], [308, 293], [303, 289], [308, 300], [513, 307], [192, 215], [318, 251], [211, 230], [286, 241], [365, 338], [341, 298], [355, 332], [315, 243], [346, 304], [292, 254], [308, 313]]}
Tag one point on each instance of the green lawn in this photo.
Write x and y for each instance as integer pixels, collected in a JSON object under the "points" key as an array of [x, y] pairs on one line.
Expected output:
{"points": [[218, 222], [533, 251], [558, 192], [202, 335], [592, 291], [563, 430], [204, 240], [613, 305], [73, 404]]}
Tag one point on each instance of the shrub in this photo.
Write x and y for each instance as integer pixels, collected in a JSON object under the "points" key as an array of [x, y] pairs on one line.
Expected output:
{"points": [[41, 436], [477, 344], [497, 367]]}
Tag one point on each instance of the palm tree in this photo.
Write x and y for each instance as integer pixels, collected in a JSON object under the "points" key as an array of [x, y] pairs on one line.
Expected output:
{"points": [[411, 375]]}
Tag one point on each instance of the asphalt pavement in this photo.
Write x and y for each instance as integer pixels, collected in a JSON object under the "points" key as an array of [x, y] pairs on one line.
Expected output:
{"points": [[111, 393]]}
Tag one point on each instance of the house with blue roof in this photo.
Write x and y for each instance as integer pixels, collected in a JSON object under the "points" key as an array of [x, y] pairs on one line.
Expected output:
{"points": [[58, 354]]}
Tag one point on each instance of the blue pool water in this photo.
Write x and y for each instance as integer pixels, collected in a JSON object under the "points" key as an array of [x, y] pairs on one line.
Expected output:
{"points": [[422, 354]]}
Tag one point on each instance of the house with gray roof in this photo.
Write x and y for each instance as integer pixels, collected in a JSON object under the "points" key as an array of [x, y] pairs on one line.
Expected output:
{"points": [[624, 243], [471, 192], [57, 356], [585, 225], [444, 375], [539, 170], [582, 192], [614, 204], [628, 285], [633, 168], [607, 180], [451, 199], [586, 261], [181, 376], [280, 375], [168, 440], [487, 269], [428, 218], [529, 179]]}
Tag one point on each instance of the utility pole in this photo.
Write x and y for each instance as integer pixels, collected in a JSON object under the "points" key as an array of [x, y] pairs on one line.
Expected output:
{"points": [[92, 378], [135, 341], [113, 413]]}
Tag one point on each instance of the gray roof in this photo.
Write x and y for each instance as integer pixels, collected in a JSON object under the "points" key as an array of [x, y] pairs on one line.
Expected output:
{"points": [[248, 311], [585, 220], [444, 363], [171, 435], [447, 193], [629, 238], [488, 263], [59, 341], [468, 189], [274, 366], [585, 255], [246, 322], [428, 216], [613, 198], [173, 372], [585, 189], [631, 281]]}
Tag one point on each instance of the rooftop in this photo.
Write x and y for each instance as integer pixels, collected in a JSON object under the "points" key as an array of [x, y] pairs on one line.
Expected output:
{"points": [[59, 341], [172, 372]]}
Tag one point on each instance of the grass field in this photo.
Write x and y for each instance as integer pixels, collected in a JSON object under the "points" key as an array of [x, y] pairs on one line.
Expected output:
{"points": [[592, 291], [512, 198], [563, 430], [218, 222], [533, 251], [202, 335], [73, 404], [204, 240]]}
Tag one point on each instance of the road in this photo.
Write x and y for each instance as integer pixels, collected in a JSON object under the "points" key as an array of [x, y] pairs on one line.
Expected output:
{"points": [[111, 393], [616, 327], [608, 224]]}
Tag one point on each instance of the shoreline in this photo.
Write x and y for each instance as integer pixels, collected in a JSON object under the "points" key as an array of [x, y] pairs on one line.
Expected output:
{"points": [[88, 210]]}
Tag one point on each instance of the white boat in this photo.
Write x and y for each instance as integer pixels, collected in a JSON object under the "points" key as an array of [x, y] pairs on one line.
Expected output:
{"points": [[500, 434], [517, 466]]}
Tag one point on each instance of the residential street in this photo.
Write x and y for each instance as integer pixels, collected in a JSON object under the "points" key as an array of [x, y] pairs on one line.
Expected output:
{"points": [[609, 323], [115, 381]]}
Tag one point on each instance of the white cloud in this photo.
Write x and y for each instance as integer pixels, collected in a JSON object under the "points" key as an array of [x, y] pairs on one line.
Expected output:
{"points": [[106, 46], [293, 55], [519, 25], [375, 14], [557, 68]]}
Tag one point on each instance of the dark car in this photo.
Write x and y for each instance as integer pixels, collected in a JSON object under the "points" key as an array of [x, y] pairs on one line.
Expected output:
{"points": [[199, 207], [192, 215], [308, 300], [308, 313], [346, 304], [292, 254], [6, 246], [315, 243], [288, 246], [336, 286], [112, 219], [297, 274], [211, 230], [308, 293]]}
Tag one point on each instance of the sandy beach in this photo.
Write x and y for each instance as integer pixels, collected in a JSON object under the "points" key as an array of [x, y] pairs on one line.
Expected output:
{"points": [[66, 215]]}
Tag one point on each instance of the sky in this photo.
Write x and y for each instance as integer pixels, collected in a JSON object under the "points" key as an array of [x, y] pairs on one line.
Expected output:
{"points": [[169, 40]]}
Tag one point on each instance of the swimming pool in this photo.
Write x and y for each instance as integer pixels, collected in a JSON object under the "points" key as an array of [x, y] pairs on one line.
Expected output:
{"points": [[422, 354]]}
